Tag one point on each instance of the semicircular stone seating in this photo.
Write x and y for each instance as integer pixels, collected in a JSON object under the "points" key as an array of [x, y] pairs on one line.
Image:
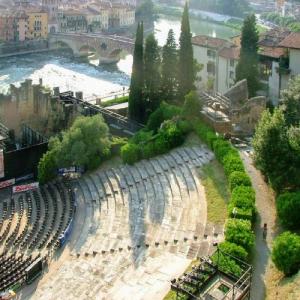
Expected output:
{"points": [[137, 227], [30, 226]]}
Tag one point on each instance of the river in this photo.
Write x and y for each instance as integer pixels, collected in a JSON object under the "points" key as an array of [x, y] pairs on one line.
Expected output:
{"points": [[91, 79]]}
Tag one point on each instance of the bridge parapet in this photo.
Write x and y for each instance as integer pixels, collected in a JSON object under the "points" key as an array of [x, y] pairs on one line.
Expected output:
{"points": [[107, 47]]}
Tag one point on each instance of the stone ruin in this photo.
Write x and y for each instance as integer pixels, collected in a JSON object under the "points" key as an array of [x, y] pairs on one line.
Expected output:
{"points": [[233, 113]]}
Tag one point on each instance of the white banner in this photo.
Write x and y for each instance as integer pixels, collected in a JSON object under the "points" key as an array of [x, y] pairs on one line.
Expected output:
{"points": [[7, 183], [25, 187], [1, 164]]}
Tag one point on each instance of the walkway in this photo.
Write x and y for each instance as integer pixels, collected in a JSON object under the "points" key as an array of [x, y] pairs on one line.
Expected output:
{"points": [[265, 204]]}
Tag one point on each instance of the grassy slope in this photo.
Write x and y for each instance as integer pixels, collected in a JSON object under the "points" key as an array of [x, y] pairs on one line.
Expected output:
{"points": [[217, 194]]}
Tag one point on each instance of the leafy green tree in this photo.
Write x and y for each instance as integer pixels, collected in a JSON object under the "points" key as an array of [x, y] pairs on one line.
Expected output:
{"points": [[86, 143], [186, 73], [294, 138], [152, 74], [247, 67], [291, 102], [273, 154], [136, 103], [169, 80], [192, 106], [286, 253], [288, 207], [47, 167]]}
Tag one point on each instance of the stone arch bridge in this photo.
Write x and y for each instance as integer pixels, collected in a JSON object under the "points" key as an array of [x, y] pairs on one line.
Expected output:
{"points": [[107, 47]]}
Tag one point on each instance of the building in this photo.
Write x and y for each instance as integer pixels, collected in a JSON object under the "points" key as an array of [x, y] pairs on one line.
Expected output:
{"points": [[7, 26], [279, 54], [21, 26], [219, 59], [37, 24], [72, 20]]}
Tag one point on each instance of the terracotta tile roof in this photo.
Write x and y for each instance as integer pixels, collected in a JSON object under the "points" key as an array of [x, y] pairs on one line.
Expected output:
{"points": [[291, 41], [274, 52], [273, 37], [230, 53], [209, 42]]}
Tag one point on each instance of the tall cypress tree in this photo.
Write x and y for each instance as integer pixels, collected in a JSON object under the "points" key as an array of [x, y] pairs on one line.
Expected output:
{"points": [[186, 74], [136, 102], [152, 73], [247, 67], [169, 68]]}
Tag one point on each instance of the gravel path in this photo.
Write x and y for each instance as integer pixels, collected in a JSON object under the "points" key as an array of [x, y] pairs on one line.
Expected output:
{"points": [[266, 213]]}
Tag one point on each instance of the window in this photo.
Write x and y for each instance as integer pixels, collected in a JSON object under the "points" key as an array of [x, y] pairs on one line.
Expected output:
{"points": [[211, 68], [231, 75], [232, 63], [211, 53]]}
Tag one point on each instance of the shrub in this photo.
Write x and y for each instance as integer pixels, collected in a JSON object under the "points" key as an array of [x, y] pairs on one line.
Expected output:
{"points": [[163, 113], [239, 232], [130, 153], [211, 137], [171, 132], [234, 250], [286, 253], [243, 199], [142, 136], [238, 178], [226, 264], [202, 131], [192, 106], [148, 150], [221, 149], [232, 162], [161, 145], [288, 207]]}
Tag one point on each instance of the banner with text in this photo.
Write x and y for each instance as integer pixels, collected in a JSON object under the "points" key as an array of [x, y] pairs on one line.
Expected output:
{"points": [[25, 187], [1, 164], [7, 183]]}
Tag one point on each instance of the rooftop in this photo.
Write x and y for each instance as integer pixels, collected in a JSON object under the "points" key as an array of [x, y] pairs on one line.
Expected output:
{"points": [[274, 52], [209, 42], [291, 41], [230, 53]]}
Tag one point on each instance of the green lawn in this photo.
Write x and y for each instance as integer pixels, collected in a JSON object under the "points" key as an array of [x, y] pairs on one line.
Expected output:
{"points": [[216, 190]]}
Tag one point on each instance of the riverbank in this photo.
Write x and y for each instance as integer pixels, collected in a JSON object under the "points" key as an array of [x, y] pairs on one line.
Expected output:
{"points": [[214, 18]]}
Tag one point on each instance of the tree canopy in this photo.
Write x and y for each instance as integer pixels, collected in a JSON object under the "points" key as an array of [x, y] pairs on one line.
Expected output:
{"points": [[86, 143], [277, 141], [152, 74], [286, 253], [169, 74], [137, 107], [247, 67], [186, 74]]}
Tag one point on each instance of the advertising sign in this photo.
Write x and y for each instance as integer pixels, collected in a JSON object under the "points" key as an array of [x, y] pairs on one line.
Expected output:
{"points": [[25, 187], [1, 164], [7, 183]]}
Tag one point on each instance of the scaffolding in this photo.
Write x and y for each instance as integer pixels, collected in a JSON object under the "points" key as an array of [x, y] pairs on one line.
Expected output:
{"points": [[210, 280]]}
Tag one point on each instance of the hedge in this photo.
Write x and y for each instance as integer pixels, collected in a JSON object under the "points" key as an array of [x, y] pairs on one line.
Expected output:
{"points": [[239, 232], [227, 264], [130, 153], [231, 163], [238, 178], [234, 250], [145, 144]]}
